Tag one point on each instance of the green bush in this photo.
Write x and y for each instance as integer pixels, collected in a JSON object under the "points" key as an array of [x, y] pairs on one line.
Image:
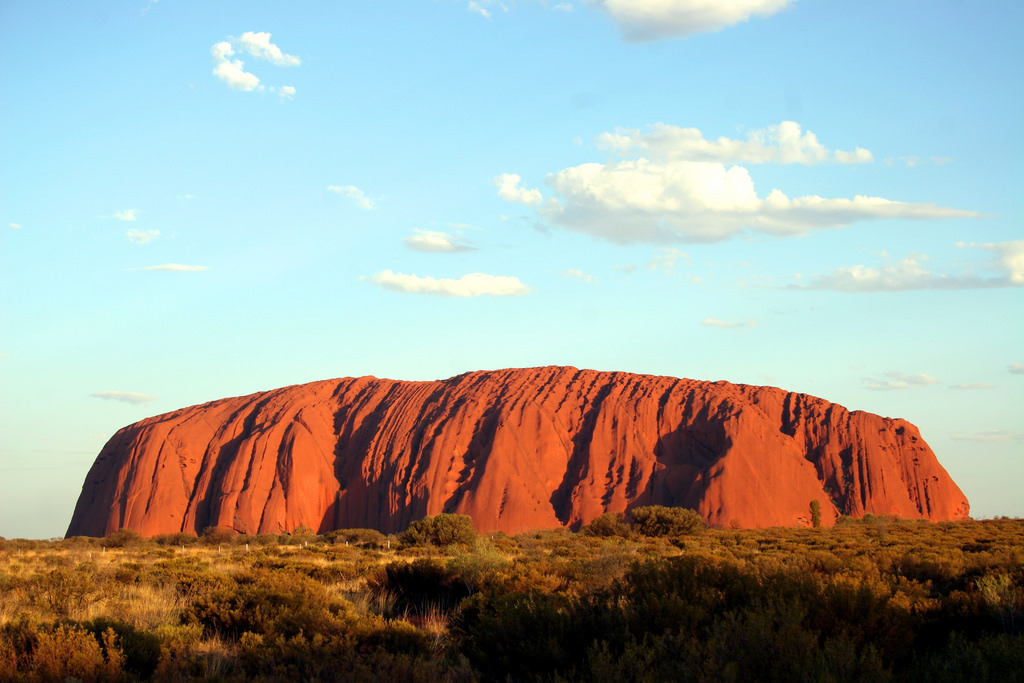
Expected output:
{"points": [[659, 520], [440, 530], [608, 524]]}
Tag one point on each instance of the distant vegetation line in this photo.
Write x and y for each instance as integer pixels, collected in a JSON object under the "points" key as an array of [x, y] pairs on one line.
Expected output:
{"points": [[657, 597]]}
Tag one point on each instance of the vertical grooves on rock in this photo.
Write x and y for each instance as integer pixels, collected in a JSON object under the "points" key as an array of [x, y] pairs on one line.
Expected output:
{"points": [[517, 449]]}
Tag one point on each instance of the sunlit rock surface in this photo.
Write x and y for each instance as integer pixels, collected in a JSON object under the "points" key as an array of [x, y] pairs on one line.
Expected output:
{"points": [[516, 449]]}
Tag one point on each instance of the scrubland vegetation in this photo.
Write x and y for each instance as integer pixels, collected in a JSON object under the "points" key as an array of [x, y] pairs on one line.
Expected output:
{"points": [[656, 598]]}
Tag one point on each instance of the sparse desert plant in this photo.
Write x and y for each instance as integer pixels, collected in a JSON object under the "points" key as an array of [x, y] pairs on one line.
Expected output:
{"points": [[66, 592]]}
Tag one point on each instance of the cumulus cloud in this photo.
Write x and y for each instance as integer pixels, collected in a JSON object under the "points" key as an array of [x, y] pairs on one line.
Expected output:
{"points": [[174, 267], [785, 143], [232, 71], [643, 201], [142, 236], [473, 284], [509, 190], [648, 20], [912, 272], [1016, 368], [126, 215], [436, 241], [123, 396], [287, 92], [354, 193], [259, 46], [580, 275], [728, 325], [899, 380]]}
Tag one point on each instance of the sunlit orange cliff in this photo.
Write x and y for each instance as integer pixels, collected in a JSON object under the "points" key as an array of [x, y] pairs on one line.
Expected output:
{"points": [[515, 449]]}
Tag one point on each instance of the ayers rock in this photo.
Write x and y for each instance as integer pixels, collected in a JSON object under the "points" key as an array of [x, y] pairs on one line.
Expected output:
{"points": [[515, 449]]}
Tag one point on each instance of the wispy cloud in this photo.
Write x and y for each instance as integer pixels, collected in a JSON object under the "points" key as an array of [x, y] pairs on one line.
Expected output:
{"points": [[123, 396], [899, 380], [728, 325], [1016, 368], [992, 436], [15, 226], [126, 215], [971, 386], [649, 20], [666, 259], [354, 193], [142, 236], [913, 272], [580, 275], [784, 143], [232, 71], [473, 284], [174, 267], [436, 241]]}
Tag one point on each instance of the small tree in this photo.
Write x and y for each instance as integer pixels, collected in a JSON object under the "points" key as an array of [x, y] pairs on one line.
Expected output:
{"points": [[659, 520], [815, 514], [440, 530]]}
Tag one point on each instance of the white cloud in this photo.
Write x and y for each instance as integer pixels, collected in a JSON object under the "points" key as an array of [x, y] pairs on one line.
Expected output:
{"points": [[727, 325], [1016, 368], [259, 46], [993, 436], [641, 201], [354, 193], [473, 284], [647, 20], [436, 241], [1009, 257], [475, 7], [971, 386], [16, 226], [666, 259], [126, 215], [232, 71], [912, 273], [580, 275], [899, 380], [142, 237], [509, 190], [174, 267], [784, 143], [123, 396]]}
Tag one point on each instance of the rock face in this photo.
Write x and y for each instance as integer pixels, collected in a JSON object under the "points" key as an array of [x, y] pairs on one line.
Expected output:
{"points": [[515, 449]]}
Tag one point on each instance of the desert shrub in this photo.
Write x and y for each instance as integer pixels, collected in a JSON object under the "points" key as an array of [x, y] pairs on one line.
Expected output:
{"points": [[280, 602], [65, 591], [177, 539], [440, 530], [608, 524], [218, 535], [367, 538], [59, 653], [140, 650], [417, 586], [123, 538], [659, 520]]}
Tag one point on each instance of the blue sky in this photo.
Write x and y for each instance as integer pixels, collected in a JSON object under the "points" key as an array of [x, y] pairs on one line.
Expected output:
{"points": [[208, 199]]}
